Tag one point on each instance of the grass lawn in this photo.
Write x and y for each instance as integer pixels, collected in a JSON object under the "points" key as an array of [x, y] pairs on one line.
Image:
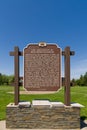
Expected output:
{"points": [[78, 94]]}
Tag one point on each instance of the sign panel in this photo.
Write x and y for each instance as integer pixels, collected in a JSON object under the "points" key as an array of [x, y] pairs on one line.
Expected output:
{"points": [[42, 67]]}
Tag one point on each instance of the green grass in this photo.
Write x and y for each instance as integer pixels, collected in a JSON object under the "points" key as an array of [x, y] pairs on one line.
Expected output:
{"points": [[78, 94]]}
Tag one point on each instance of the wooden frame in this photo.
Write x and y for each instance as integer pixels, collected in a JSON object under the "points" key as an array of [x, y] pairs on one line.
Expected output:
{"points": [[66, 53]]}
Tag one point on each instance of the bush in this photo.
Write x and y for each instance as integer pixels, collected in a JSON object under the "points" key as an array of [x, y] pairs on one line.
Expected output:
{"points": [[6, 80]]}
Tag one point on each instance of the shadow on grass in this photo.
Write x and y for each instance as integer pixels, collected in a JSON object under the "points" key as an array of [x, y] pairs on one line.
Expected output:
{"points": [[83, 117], [82, 122]]}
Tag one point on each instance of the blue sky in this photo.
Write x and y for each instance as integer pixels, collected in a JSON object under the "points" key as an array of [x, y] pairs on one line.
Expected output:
{"points": [[54, 21]]}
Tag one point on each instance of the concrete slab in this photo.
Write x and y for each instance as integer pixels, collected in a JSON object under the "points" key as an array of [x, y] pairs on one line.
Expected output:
{"points": [[46, 103], [26, 104], [77, 105], [41, 103], [57, 104]]}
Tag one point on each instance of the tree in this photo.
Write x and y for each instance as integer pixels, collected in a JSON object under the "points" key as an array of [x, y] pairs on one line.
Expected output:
{"points": [[85, 79], [82, 81], [11, 79], [0, 78], [6, 80]]}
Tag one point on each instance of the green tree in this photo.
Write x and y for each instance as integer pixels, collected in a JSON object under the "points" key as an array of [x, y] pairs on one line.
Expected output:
{"points": [[82, 80], [6, 80], [11, 79], [85, 79], [0, 78]]}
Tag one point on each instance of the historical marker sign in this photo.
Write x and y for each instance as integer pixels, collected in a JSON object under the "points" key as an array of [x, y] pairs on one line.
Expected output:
{"points": [[42, 67]]}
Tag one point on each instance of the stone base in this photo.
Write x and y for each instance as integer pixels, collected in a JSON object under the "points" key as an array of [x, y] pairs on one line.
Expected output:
{"points": [[42, 115]]}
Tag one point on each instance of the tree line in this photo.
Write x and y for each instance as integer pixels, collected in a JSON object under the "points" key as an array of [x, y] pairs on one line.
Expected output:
{"points": [[9, 80], [82, 81], [6, 80]]}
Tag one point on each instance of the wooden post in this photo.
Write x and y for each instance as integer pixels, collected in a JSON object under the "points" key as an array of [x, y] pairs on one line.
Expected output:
{"points": [[67, 76], [16, 73], [16, 55]]}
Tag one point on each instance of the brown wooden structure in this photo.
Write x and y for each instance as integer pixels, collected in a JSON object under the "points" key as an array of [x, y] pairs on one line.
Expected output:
{"points": [[66, 53]]}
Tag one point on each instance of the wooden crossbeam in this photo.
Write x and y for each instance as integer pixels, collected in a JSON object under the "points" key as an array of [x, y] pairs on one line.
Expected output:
{"points": [[20, 53], [71, 53]]}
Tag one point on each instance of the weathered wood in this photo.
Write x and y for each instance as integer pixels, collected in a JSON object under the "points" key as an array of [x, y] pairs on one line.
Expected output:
{"points": [[16, 55], [71, 53], [20, 53], [67, 76], [16, 73]]}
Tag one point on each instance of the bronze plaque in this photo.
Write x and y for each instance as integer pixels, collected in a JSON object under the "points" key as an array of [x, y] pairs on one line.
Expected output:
{"points": [[42, 67]]}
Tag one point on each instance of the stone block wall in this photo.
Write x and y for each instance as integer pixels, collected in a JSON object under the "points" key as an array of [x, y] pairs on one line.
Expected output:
{"points": [[45, 117]]}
